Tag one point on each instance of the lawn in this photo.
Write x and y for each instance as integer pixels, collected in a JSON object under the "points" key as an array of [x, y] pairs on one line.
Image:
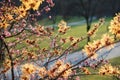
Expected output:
{"points": [[47, 21], [78, 31], [96, 77], [75, 31], [114, 62]]}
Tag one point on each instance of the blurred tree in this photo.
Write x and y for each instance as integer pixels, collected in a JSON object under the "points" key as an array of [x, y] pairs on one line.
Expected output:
{"points": [[88, 10], [84, 8]]}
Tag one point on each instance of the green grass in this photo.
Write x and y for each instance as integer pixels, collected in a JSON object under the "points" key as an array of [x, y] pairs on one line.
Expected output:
{"points": [[74, 19], [78, 31], [75, 31], [114, 62], [95, 77], [47, 21]]}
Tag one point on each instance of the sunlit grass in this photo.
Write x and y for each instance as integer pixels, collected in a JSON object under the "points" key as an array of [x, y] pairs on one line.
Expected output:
{"points": [[75, 31], [47, 21]]}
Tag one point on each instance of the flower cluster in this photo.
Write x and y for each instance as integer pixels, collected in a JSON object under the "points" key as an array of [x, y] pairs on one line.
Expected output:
{"points": [[107, 40], [9, 14], [30, 41], [73, 40], [95, 28], [91, 48], [108, 69], [41, 30], [7, 65], [63, 27], [42, 72], [114, 27], [20, 27], [85, 70], [5, 17], [56, 52], [32, 4], [58, 68], [28, 55], [27, 70], [21, 11], [30, 69]]}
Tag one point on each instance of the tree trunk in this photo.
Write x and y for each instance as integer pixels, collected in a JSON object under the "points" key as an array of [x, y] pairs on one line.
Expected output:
{"points": [[88, 38], [12, 64], [54, 22], [88, 28], [1, 51], [12, 70]]}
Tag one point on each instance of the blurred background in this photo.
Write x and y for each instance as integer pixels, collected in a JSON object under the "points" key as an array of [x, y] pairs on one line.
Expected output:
{"points": [[78, 13], [67, 9], [87, 9]]}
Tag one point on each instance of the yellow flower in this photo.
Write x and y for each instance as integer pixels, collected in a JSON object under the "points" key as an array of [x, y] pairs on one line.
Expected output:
{"points": [[22, 11], [31, 55], [62, 68], [40, 29], [16, 10], [61, 24], [58, 63], [24, 77], [51, 72], [8, 16], [91, 48], [7, 63], [107, 69], [63, 27], [95, 27], [107, 40], [5, 24], [75, 41], [32, 42], [38, 3], [85, 70], [114, 27], [34, 4], [2, 18], [26, 1], [67, 73], [58, 68], [42, 72], [28, 69]]}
